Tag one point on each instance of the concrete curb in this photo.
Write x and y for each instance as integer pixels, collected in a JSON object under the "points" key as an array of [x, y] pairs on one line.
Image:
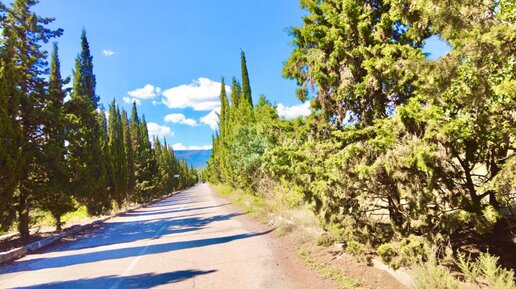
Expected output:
{"points": [[22, 251], [404, 276]]}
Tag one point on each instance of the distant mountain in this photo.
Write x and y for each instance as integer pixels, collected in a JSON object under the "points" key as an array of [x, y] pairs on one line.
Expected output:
{"points": [[197, 158]]}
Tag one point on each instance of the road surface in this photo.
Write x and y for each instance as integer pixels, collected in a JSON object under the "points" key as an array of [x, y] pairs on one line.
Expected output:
{"points": [[191, 240]]}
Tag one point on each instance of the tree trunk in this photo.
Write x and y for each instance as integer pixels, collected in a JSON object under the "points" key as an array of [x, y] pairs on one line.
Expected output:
{"points": [[23, 216]]}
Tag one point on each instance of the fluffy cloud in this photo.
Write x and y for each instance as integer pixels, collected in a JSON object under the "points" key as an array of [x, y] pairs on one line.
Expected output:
{"points": [[181, 147], [149, 91], [180, 118], [201, 95], [108, 52], [211, 119], [290, 112], [159, 130], [130, 100]]}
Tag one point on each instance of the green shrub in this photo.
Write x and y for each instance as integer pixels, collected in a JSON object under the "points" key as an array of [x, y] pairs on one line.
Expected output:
{"points": [[405, 252], [495, 276], [432, 275], [326, 240], [355, 248]]}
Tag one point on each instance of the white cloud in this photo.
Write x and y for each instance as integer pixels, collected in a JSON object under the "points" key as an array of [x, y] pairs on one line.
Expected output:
{"points": [[290, 112], [180, 118], [211, 119], [159, 130], [108, 52], [149, 91], [154, 102], [130, 100], [181, 147], [201, 95]]}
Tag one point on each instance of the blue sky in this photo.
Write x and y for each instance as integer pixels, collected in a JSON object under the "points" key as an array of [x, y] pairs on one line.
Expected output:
{"points": [[169, 55]]}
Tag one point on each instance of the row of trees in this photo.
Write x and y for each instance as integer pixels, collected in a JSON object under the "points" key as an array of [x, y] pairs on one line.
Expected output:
{"points": [[398, 145], [58, 152]]}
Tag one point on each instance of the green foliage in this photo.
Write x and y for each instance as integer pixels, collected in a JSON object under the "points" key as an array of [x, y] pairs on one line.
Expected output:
{"points": [[56, 155], [56, 194], [355, 248], [405, 252], [432, 275]]}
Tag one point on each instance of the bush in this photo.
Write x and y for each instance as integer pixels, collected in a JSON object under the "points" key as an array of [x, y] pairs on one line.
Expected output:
{"points": [[405, 252], [432, 275], [355, 248]]}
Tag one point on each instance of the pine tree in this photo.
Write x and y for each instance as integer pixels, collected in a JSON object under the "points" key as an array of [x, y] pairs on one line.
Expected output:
{"points": [[23, 32], [55, 197]]}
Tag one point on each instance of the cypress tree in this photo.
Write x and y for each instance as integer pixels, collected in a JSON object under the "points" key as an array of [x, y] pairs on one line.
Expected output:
{"points": [[129, 154], [117, 156], [23, 32], [246, 86], [55, 197], [10, 129], [236, 92], [87, 82], [137, 152], [224, 110], [87, 136]]}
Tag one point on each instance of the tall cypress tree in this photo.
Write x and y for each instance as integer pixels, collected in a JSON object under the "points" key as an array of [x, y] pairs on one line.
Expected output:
{"points": [[24, 31], [87, 160], [55, 197], [236, 92], [246, 86], [10, 128], [87, 82], [224, 109], [129, 154], [117, 157]]}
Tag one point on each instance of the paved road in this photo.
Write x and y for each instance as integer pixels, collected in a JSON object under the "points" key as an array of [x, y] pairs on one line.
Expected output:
{"points": [[191, 240]]}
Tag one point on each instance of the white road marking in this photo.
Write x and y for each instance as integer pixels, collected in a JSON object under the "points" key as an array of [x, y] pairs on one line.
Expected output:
{"points": [[142, 252]]}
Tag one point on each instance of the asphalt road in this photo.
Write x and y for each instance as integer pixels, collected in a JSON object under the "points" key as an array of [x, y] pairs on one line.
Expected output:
{"points": [[191, 240]]}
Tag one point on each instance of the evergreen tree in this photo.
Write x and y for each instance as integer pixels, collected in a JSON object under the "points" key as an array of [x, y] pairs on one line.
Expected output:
{"points": [[86, 82], [356, 53], [10, 129], [56, 194], [236, 92], [246, 86], [224, 117], [87, 138], [23, 32], [129, 153], [139, 162], [117, 155]]}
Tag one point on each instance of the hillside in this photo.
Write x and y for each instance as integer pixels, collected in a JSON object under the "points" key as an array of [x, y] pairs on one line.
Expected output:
{"points": [[197, 158]]}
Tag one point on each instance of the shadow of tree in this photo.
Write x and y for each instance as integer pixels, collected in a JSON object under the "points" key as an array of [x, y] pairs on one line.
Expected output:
{"points": [[75, 259], [136, 281]]}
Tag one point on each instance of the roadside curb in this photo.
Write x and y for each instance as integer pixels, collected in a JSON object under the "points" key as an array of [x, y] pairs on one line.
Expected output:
{"points": [[403, 276], [27, 249]]}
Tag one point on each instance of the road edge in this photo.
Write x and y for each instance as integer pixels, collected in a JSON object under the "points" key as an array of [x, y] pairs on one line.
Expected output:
{"points": [[20, 252]]}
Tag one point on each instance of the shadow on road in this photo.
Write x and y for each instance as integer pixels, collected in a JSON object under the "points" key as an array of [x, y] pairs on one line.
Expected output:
{"points": [[74, 259], [126, 232], [137, 281]]}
